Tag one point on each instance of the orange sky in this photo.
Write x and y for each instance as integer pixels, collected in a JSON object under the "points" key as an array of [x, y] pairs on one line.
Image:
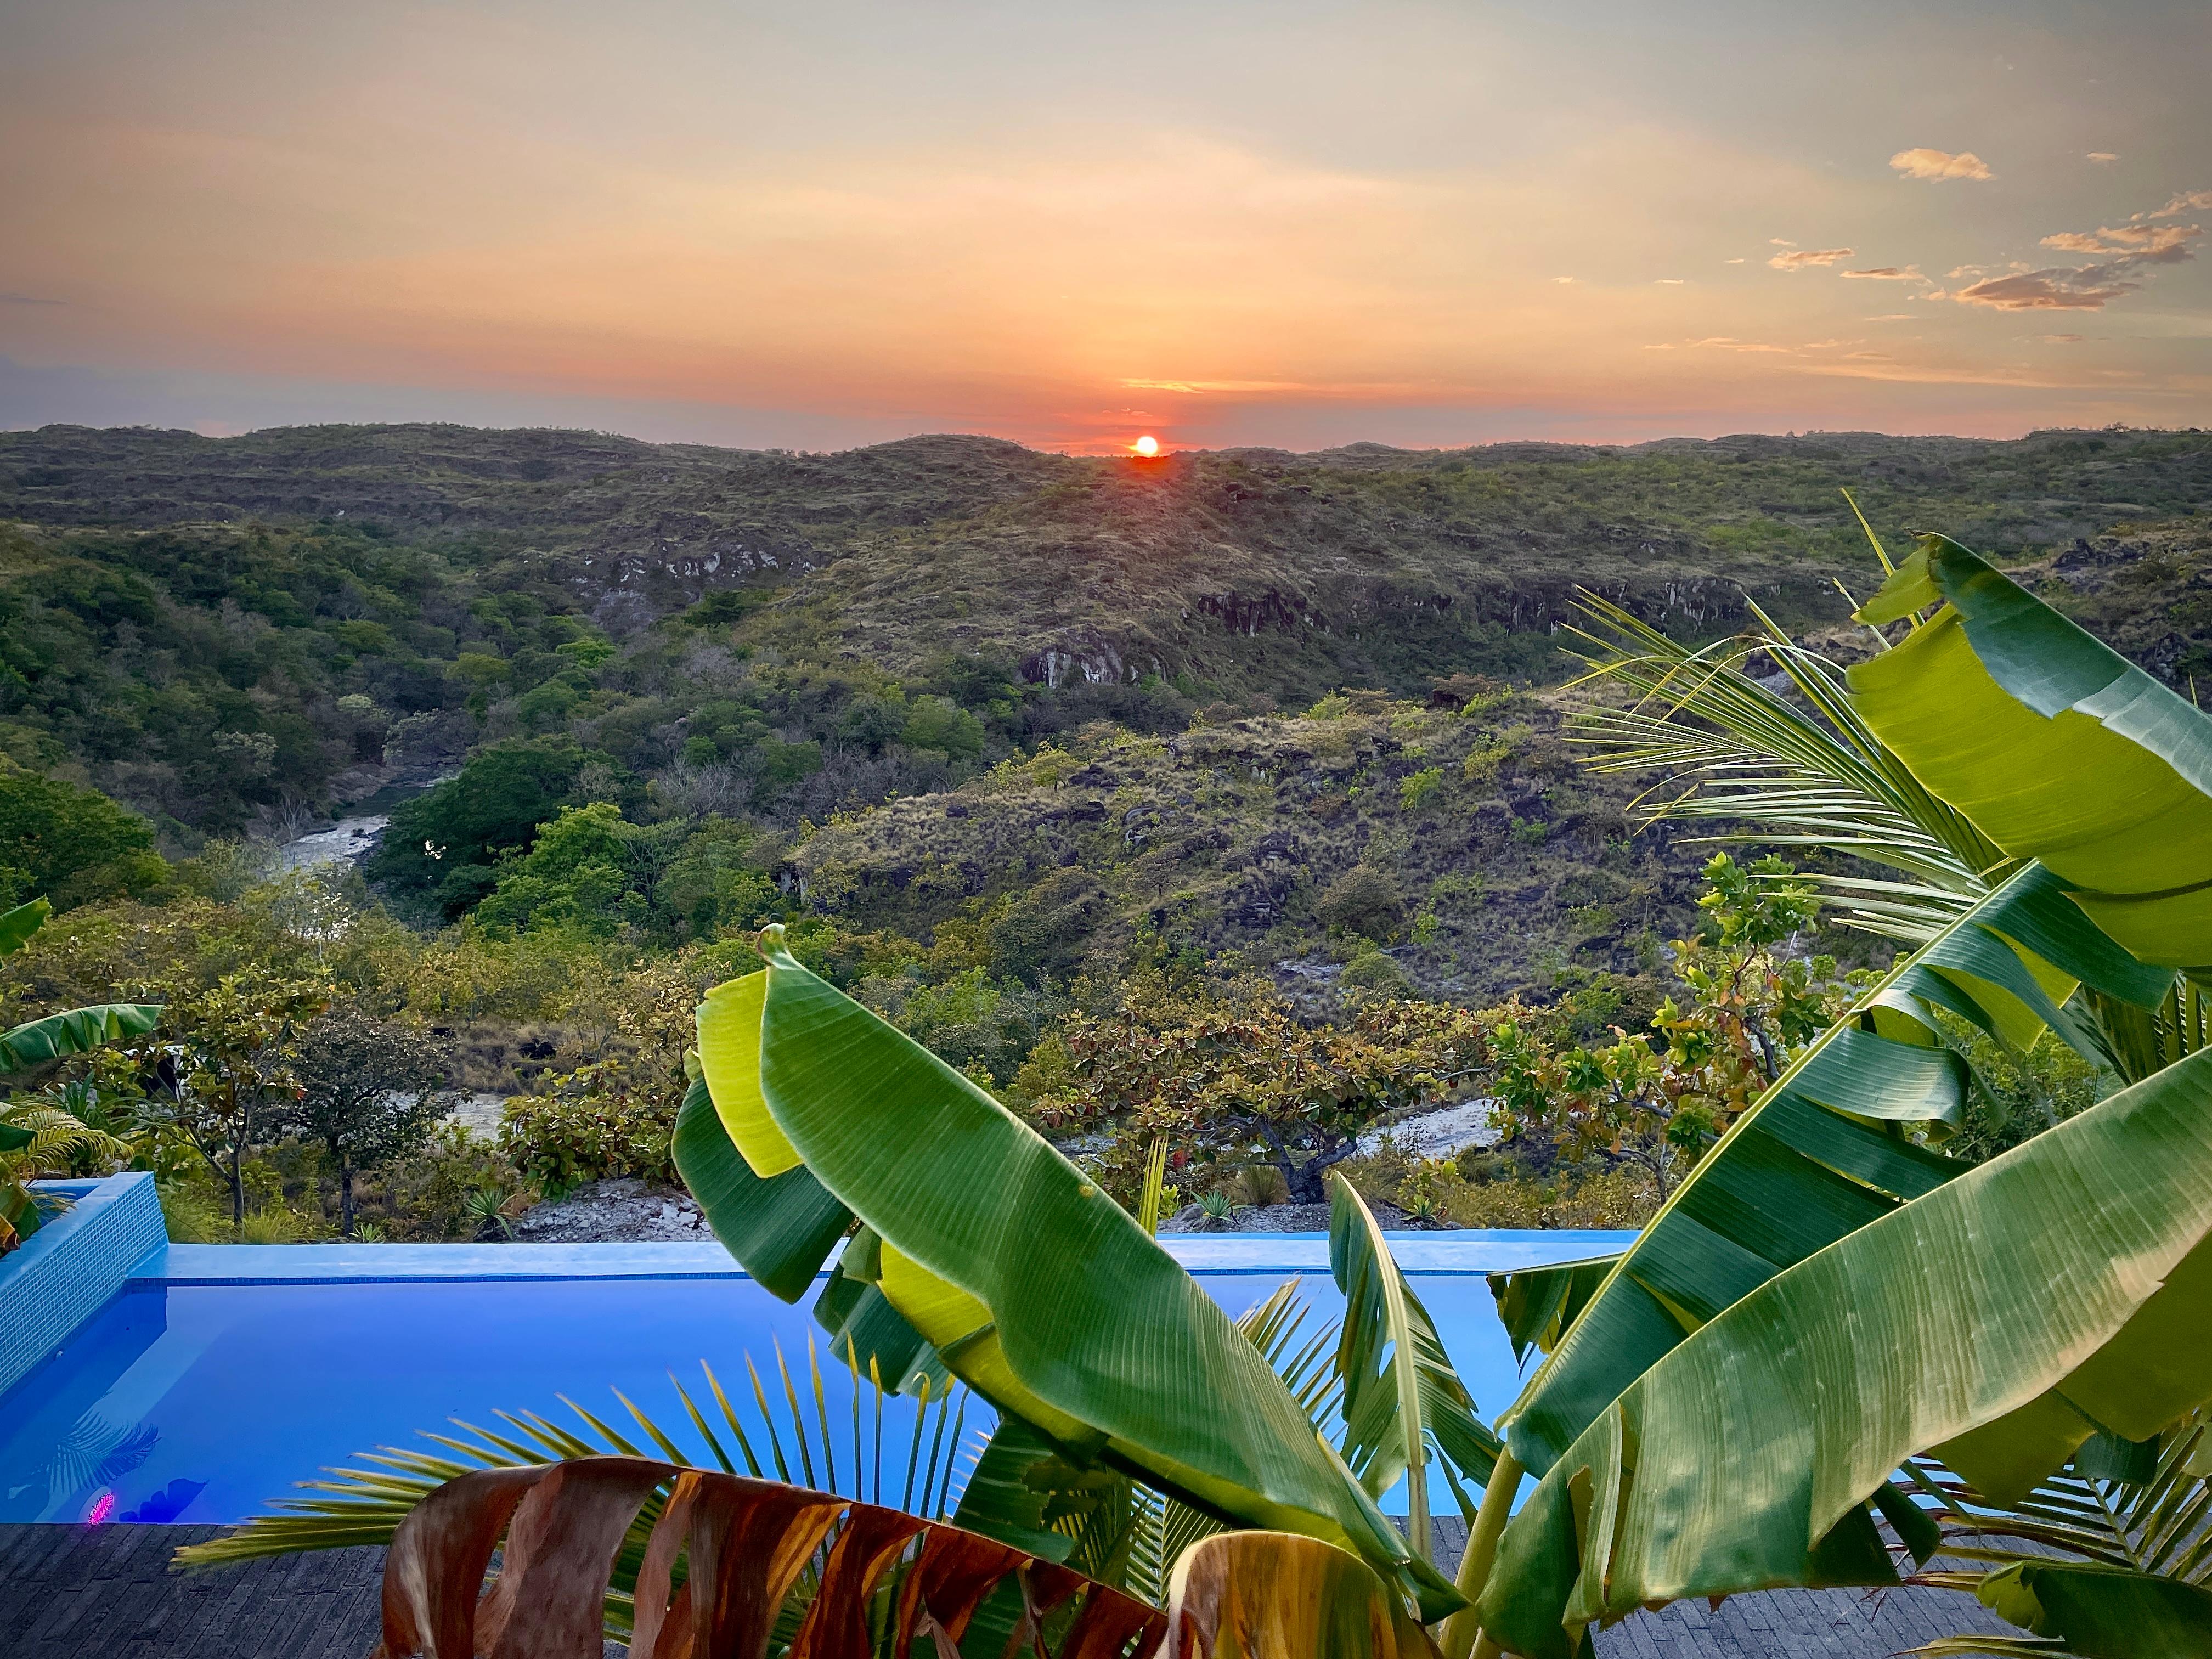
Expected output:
{"points": [[1290, 224]]}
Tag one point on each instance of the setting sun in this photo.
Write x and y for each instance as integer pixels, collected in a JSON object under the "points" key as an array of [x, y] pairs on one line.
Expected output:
{"points": [[1146, 445]]}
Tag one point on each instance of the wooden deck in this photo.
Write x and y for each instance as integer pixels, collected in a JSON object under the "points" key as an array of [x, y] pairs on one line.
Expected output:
{"points": [[107, 1591]]}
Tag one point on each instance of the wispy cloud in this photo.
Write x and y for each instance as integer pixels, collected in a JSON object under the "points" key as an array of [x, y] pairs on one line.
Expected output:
{"points": [[2102, 155], [1736, 261], [2061, 339], [1888, 274], [1670, 281], [1781, 241], [1563, 279], [1724, 342], [29, 299], [1799, 259], [2133, 249], [1895, 317], [1940, 164]]}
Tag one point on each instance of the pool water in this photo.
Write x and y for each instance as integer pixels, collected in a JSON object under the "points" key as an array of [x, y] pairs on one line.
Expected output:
{"points": [[200, 1401]]}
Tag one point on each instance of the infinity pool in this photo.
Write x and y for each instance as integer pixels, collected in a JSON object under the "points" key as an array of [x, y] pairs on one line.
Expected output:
{"points": [[220, 1377]]}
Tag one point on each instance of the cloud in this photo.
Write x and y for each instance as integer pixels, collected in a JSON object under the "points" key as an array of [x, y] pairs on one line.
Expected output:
{"points": [[1781, 241], [1938, 164], [2061, 339], [2133, 249], [1669, 281], [1733, 261], [29, 299], [1809, 256], [1895, 317], [1888, 274], [1563, 279], [2154, 244], [2190, 201], [1725, 342], [2102, 155]]}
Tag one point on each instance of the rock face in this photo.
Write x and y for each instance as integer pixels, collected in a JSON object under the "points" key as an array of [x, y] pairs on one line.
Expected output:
{"points": [[616, 1212]]}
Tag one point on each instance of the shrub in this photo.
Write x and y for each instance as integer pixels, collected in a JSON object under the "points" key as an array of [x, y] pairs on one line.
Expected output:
{"points": [[1372, 971], [562, 1139], [1416, 788], [1363, 900]]}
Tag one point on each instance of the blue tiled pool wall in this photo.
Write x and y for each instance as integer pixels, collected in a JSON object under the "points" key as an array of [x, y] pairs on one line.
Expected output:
{"points": [[67, 1270]]}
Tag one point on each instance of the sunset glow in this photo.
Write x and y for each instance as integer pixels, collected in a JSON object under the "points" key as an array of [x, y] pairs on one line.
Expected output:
{"points": [[1147, 446], [1410, 223]]}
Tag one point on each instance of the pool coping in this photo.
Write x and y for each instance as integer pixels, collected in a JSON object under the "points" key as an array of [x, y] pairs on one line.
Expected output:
{"points": [[1418, 1253]]}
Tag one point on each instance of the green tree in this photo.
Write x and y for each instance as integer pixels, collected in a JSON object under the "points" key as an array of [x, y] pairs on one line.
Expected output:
{"points": [[221, 1072], [1748, 1010], [371, 1090], [1242, 1080], [447, 841], [71, 844]]}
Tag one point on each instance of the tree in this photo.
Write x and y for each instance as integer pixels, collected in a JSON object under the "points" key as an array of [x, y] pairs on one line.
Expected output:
{"points": [[1242, 1080], [221, 1072], [73, 844], [370, 1090], [448, 839], [1659, 1100]]}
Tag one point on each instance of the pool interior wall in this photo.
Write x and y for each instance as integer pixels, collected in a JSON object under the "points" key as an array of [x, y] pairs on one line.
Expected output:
{"points": [[219, 1376]]}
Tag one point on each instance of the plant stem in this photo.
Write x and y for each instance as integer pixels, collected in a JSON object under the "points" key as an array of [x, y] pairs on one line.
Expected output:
{"points": [[1462, 1628]]}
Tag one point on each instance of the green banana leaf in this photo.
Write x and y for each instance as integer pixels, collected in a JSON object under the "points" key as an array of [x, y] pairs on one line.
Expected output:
{"points": [[1995, 1323], [76, 1032], [782, 1229], [1537, 1305], [1817, 1157], [16, 926], [1034, 1286], [2055, 745], [2094, 1612], [1381, 1395]]}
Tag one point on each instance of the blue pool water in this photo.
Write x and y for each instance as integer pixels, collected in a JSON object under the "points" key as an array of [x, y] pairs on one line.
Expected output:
{"points": [[197, 1398]]}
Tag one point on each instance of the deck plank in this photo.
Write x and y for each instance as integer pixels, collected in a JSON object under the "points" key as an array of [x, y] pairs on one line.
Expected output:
{"points": [[107, 1591]]}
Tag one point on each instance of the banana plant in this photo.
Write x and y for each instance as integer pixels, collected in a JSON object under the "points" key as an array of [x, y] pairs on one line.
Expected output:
{"points": [[1997, 1324], [37, 1140], [1930, 700], [1009, 1265]]}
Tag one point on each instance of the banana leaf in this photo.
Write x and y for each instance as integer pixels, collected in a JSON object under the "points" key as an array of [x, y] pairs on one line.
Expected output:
{"points": [[16, 926], [2055, 745], [781, 1229], [1034, 1286], [1819, 1155], [1381, 1395], [1537, 1305], [1264, 1595], [1995, 1323], [2091, 1612], [75, 1031]]}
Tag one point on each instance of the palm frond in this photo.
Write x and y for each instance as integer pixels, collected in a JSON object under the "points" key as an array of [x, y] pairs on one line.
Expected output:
{"points": [[1787, 765], [2161, 1525], [914, 1468]]}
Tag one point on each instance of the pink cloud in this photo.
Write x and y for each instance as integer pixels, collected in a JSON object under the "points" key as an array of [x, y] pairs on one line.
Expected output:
{"points": [[1800, 257], [1939, 164]]}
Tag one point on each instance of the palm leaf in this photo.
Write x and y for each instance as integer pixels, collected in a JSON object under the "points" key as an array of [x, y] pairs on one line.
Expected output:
{"points": [[1804, 773], [2085, 1611], [366, 1505], [1033, 1285], [1996, 1324]]}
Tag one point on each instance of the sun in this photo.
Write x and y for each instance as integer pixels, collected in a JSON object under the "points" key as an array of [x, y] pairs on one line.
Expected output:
{"points": [[1147, 446]]}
